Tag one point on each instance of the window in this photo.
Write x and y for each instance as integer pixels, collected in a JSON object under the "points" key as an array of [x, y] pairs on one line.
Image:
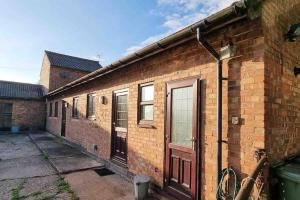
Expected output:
{"points": [[56, 109], [50, 110], [146, 97], [75, 107], [91, 106]]}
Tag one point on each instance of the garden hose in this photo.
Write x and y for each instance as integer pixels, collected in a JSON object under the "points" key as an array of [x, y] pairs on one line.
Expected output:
{"points": [[228, 195]]}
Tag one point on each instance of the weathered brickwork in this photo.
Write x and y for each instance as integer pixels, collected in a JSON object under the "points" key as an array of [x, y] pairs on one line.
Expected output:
{"points": [[282, 88], [52, 77], [45, 74], [60, 76], [243, 95], [27, 114]]}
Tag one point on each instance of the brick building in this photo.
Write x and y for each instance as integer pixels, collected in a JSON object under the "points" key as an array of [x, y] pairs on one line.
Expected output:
{"points": [[156, 111], [22, 106], [162, 113], [58, 69]]}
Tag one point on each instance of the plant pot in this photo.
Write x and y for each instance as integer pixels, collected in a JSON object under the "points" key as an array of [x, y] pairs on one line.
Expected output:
{"points": [[15, 129]]}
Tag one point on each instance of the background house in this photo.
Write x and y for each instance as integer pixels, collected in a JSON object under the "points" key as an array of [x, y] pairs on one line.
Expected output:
{"points": [[23, 105], [59, 69]]}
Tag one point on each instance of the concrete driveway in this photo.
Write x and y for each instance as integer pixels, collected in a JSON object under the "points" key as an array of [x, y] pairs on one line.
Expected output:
{"points": [[25, 173], [41, 166]]}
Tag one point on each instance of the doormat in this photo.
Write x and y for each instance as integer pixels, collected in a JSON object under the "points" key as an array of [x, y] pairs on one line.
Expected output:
{"points": [[104, 172]]}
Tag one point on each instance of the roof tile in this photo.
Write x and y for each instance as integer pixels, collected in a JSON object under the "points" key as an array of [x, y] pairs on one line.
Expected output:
{"points": [[20, 90], [61, 60]]}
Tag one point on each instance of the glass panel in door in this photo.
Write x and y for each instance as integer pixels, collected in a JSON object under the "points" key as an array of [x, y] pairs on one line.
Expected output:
{"points": [[121, 118], [182, 115]]}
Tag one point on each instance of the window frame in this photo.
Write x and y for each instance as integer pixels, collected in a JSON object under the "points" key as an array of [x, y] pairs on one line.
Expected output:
{"points": [[56, 109], [50, 109], [88, 115], [142, 122], [75, 108]]}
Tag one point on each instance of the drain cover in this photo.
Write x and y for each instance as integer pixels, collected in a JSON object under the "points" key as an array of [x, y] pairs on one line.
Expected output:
{"points": [[104, 172]]}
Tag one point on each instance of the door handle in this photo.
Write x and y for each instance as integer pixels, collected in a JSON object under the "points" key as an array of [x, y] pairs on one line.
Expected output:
{"points": [[194, 143]]}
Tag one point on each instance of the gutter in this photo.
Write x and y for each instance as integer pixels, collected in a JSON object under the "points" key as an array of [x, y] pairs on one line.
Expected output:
{"points": [[235, 12]]}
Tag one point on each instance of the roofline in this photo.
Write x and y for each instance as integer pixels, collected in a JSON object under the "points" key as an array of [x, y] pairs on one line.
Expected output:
{"points": [[22, 98], [233, 13], [47, 51], [20, 82], [75, 69]]}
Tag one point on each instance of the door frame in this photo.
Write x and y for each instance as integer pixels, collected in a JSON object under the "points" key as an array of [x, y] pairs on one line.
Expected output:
{"points": [[64, 105], [8, 115], [197, 103], [113, 119]]}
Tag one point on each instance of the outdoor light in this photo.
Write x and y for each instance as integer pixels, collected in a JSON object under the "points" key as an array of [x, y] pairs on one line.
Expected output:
{"points": [[227, 51], [102, 100], [297, 71], [293, 33]]}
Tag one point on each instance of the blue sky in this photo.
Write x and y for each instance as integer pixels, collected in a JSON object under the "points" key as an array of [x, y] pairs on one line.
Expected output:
{"points": [[87, 28]]}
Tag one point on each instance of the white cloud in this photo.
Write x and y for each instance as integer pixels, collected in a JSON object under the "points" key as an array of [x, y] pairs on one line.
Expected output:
{"points": [[180, 13]]}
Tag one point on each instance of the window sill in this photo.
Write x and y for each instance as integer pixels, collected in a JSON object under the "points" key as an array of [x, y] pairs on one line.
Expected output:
{"points": [[91, 118], [144, 125]]}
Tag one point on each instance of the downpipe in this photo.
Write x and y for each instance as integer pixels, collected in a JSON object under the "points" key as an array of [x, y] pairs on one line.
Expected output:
{"points": [[202, 40]]}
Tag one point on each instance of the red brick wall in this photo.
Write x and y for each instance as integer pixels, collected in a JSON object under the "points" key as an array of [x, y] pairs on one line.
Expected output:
{"points": [[60, 76], [243, 97], [27, 114], [282, 88], [53, 124], [45, 74], [52, 77]]}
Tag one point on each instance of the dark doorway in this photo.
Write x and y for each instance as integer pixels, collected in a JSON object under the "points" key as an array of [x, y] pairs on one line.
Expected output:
{"points": [[63, 118], [182, 139], [5, 116], [119, 126]]}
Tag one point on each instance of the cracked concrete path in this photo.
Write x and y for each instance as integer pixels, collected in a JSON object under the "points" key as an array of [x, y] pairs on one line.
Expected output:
{"points": [[39, 166], [63, 157], [26, 174], [89, 185]]}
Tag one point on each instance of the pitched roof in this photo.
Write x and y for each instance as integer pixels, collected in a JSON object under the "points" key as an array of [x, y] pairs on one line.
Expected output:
{"points": [[20, 90], [61, 60]]}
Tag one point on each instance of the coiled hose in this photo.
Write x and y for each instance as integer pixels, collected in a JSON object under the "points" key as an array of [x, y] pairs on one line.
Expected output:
{"points": [[228, 195]]}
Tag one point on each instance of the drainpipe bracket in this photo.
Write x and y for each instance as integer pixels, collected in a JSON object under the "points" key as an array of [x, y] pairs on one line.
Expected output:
{"points": [[253, 8]]}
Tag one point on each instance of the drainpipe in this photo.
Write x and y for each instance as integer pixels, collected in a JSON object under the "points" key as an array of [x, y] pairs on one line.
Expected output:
{"points": [[202, 40]]}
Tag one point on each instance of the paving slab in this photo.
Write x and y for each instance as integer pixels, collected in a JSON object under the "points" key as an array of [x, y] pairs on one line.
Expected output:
{"points": [[64, 157], [63, 151], [89, 185], [11, 150], [25, 167], [40, 134], [34, 188], [14, 138], [7, 186], [44, 145], [74, 163]]}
